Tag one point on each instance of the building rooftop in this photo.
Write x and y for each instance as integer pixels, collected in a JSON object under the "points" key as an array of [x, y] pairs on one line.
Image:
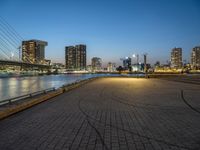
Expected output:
{"points": [[37, 41]]}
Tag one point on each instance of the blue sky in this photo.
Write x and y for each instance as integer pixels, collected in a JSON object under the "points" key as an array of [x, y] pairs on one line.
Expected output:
{"points": [[111, 29]]}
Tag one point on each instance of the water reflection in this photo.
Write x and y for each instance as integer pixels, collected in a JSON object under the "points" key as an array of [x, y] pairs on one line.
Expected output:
{"points": [[12, 87]]}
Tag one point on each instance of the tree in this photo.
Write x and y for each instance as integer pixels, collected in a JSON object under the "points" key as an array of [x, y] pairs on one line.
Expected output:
{"points": [[120, 69]]}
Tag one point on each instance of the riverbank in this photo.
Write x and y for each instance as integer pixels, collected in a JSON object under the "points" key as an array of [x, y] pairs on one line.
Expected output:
{"points": [[33, 98], [16, 86], [110, 113], [12, 106], [17, 75]]}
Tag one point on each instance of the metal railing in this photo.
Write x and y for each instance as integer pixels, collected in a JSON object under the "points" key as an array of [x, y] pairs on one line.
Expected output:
{"points": [[29, 95]]}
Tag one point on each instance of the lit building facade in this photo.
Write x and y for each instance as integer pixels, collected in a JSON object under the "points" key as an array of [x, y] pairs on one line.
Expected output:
{"points": [[111, 67], [33, 51], [89, 68], [195, 58], [127, 63], [140, 67], [96, 64], [75, 57], [58, 66], [176, 58]]}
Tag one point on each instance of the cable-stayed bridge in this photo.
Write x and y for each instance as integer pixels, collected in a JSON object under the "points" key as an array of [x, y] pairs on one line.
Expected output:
{"points": [[10, 48]]}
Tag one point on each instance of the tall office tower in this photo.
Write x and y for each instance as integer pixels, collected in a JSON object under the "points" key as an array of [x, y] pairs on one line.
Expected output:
{"points": [[176, 58], [96, 64], [195, 58], [75, 57], [33, 51]]}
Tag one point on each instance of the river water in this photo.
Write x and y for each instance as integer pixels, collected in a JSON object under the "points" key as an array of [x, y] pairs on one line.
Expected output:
{"points": [[17, 86]]}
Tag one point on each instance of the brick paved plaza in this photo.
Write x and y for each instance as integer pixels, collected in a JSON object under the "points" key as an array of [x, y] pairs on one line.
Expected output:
{"points": [[110, 113]]}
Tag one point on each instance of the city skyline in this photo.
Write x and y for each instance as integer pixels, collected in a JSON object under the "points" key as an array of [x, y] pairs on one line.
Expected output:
{"points": [[110, 30]]}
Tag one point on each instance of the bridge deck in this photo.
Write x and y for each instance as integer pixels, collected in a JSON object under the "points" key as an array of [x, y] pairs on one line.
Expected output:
{"points": [[22, 64], [110, 113]]}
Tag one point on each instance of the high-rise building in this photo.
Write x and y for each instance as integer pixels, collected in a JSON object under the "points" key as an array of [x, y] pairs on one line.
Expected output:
{"points": [[75, 57], [96, 64], [33, 51], [127, 63], [81, 57], [111, 67], [70, 57], [176, 58], [195, 58]]}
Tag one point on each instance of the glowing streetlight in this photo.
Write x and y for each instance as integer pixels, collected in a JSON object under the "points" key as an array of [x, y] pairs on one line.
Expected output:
{"points": [[12, 55]]}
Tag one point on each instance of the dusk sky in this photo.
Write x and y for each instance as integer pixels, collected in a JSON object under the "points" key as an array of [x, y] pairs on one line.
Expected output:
{"points": [[111, 29]]}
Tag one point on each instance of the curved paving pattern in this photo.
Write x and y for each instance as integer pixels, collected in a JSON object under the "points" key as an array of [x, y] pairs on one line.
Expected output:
{"points": [[110, 113]]}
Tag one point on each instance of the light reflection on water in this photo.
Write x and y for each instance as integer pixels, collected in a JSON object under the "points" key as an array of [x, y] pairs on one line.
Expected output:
{"points": [[16, 86]]}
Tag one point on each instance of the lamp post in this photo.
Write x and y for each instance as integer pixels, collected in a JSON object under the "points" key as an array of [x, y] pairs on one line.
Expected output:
{"points": [[19, 48], [145, 64], [12, 55]]}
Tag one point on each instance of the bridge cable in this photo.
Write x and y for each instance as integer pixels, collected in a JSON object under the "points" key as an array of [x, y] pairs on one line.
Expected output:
{"points": [[7, 33], [9, 44], [12, 29], [16, 34], [4, 44]]}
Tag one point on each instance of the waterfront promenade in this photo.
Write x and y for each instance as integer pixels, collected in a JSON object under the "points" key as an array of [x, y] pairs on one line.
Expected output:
{"points": [[110, 113]]}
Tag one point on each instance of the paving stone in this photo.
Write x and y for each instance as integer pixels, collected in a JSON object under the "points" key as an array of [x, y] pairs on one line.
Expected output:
{"points": [[110, 113]]}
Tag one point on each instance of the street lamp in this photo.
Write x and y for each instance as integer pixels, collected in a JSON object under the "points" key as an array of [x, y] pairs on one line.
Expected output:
{"points": [[145, 64], [12, 55]]}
